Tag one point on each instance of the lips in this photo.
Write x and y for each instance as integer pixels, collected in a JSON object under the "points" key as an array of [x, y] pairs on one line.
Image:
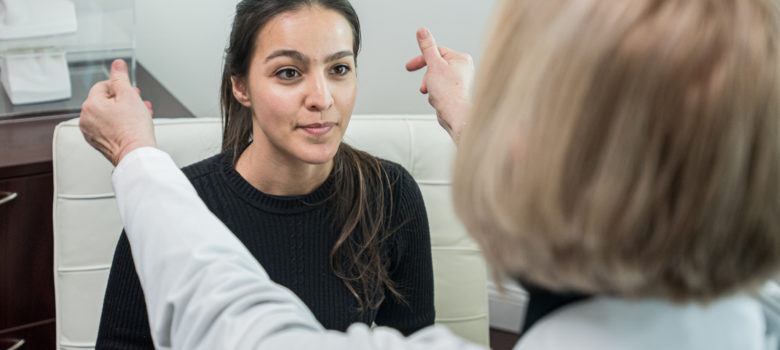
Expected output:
{"points": [[317, 129]]}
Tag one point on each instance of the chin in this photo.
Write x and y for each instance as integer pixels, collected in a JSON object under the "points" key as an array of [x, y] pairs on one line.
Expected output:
{"points": [[318, 155]]}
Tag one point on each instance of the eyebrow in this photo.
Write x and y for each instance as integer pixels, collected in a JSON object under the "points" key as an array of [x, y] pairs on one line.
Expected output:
{"points": [[339, 55], [295, 55]]}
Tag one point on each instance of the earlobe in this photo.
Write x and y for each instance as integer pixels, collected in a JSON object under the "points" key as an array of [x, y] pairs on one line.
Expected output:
{"points": [[240, 91]]}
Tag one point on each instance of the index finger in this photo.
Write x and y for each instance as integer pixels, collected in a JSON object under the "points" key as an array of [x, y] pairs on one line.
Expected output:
{"points": [[416, 63], [428, 47]]}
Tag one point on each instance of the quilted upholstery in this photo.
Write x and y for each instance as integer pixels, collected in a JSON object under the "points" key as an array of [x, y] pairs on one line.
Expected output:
{"points": [[87, 224]]}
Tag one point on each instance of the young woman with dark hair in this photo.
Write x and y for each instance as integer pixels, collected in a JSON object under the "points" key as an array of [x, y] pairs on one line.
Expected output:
{"points": [[346, 231]]}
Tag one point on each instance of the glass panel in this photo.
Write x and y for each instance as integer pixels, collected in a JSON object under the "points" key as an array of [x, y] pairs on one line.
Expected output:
{"points": [[105, 30]]}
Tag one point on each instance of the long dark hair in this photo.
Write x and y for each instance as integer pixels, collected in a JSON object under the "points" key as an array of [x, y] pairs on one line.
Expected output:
{"points": [[361, 187]]}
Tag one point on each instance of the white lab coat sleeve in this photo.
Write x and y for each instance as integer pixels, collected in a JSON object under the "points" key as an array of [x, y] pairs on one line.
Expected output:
{"points": [[203, 288], [769, 298]]}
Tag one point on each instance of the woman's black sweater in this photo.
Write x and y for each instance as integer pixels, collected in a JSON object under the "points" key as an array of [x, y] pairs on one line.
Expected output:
{"points": [[292, 238]]}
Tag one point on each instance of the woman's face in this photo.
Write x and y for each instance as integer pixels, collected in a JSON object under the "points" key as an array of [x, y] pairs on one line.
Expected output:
{"points": [[301, 84]]}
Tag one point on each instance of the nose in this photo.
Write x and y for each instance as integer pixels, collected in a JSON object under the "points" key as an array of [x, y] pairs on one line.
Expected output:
{"points": [[319, 97]]}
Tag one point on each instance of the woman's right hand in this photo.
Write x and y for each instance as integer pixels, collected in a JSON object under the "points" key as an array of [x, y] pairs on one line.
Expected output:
{"points": [[447, 82]]}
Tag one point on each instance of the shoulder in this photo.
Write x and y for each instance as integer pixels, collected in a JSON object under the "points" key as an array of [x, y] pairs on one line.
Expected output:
{"points": [[204, 167], [587, 320], [405, 192], [206, 177], [400, 178], [611, 323]]}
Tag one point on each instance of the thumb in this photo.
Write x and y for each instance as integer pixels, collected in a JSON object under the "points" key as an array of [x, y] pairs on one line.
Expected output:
{"points": [[120, 80], [428, 47]]}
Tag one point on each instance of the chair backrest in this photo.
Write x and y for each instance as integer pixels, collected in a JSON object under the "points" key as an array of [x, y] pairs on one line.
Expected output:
{"points": [[87, 224]]}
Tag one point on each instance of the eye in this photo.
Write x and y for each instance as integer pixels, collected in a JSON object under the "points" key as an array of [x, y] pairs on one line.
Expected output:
{"points": [[341, 70], [287, 74]]}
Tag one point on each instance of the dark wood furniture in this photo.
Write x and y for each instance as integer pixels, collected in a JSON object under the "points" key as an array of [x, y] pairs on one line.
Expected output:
{"points": [[502, 340], [26, 196]]}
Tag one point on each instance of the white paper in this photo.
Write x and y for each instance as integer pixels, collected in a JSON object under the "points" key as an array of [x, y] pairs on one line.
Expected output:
{"points": [[35, 77]]}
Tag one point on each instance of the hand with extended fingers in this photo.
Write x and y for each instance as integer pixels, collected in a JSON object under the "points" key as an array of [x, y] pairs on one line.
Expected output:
{"points": [[447, 82]]}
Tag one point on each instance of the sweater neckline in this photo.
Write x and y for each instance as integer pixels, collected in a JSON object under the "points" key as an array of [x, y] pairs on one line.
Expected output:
{"points": [[269, 202]]}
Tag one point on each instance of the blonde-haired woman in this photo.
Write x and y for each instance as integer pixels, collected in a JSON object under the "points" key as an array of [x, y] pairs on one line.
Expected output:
{"points": [[637, 159], [625, 149]]}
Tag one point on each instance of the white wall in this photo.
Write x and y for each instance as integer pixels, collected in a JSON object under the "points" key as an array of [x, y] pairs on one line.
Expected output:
{"points": [[389, 41], [182, 43]]}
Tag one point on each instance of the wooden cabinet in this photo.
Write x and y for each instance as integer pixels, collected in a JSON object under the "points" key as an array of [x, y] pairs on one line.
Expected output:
{"points": [[26, 259], [34, 336], [27, 310], [26, 262]]}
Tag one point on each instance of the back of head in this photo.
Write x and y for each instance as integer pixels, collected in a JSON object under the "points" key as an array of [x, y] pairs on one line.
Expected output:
{"points": [[628, 148]]}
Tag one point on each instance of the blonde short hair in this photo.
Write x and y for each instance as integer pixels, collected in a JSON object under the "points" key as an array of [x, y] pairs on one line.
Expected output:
{"points": [[627, 148]]}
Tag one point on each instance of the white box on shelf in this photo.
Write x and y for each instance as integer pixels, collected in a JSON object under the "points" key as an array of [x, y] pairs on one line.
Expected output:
{"points": [[35, 77], [21, 19]]}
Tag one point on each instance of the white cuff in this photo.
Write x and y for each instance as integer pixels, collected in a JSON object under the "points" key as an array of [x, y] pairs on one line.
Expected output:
{"points": [[131, 160]]}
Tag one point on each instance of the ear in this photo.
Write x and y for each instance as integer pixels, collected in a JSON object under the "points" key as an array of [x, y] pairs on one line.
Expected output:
{"points": [[240, 91]]}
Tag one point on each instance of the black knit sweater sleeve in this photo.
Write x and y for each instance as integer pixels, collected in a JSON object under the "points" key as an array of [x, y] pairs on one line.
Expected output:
{"points": [[411, 268], [124, 323]]}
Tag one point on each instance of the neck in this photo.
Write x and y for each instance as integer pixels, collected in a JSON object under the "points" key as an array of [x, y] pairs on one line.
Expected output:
{"points": [[278, 174]]}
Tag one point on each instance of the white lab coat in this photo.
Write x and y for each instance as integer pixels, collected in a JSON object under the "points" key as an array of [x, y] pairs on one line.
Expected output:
{"points": [[204, 290], [734, 323]]}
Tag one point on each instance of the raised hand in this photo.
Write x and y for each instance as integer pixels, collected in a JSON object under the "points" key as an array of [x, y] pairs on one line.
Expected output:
{"points": [[114, 119], [447, 81]]}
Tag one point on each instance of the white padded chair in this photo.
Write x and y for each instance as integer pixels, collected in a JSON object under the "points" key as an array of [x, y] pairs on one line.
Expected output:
{"points": [[87, 224]]}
